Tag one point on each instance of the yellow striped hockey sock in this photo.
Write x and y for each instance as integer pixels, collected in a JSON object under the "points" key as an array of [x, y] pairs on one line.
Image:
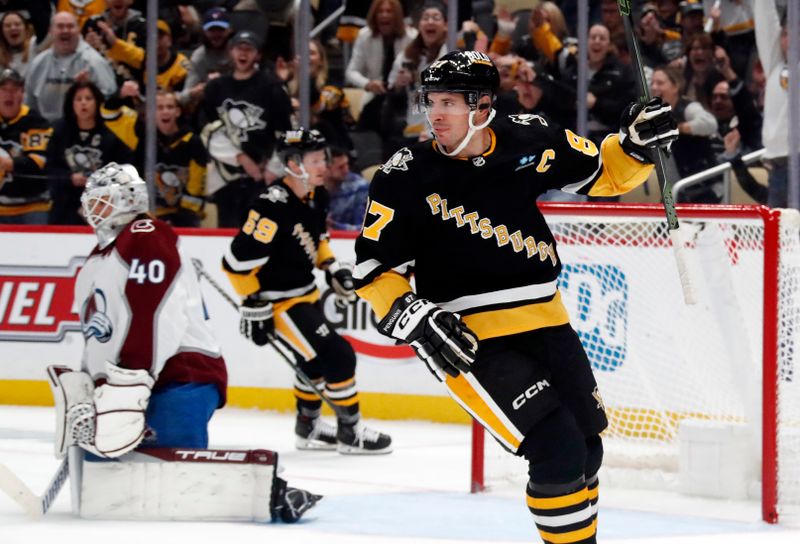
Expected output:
{"points": [[563, 513], [593, 486]]}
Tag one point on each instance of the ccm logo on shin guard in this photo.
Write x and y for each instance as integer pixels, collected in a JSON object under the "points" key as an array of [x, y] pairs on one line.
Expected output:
{"points": [[211, 455], [529, 393]]}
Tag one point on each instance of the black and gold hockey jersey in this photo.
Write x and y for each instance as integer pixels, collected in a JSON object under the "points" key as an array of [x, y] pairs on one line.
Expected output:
{"points": [[280, 243], [470, 229], [24, 139], [180, 173]]}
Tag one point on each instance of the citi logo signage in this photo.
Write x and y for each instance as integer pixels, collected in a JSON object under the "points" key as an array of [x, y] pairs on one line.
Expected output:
{"points": [[596, 297], [36, 302]]}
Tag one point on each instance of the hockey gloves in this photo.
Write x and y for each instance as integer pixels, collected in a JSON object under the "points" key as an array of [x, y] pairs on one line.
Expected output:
{"points": [[340, 279], [438, 337], [257, 321], [646, 126]]}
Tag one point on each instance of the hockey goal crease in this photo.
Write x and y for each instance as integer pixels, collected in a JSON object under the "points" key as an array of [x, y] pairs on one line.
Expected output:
{"points": [[680, 381]]}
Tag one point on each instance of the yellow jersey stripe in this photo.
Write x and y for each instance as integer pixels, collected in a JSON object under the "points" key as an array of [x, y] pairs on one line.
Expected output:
{"points": [[462, 389], [494, 323]]}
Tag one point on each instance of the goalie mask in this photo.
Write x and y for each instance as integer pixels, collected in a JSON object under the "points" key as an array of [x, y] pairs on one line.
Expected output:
{"points": [[294, 145], [113, 196], [469, 73]]}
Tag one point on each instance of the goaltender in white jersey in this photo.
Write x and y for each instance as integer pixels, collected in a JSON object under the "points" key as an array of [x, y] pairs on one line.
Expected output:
{"points": [[152, 377]]}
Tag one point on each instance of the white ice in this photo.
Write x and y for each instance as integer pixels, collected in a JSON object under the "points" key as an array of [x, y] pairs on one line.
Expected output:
{"points": [[418, 494]]}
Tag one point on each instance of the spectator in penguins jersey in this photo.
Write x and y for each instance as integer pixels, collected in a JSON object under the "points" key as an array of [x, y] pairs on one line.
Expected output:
{"points": [[180, 167], [23, 141], [81, 143], [244, 110]]}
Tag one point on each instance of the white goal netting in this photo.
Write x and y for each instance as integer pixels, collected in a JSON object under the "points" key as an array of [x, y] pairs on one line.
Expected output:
{"points": [[660, 363]]}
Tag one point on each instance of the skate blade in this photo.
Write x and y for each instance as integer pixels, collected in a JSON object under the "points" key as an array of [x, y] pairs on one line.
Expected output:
{"points": [[313, 445], [354, 450]]}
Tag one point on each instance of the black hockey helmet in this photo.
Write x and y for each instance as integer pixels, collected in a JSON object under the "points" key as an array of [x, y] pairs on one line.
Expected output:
{"points": [[468, 72], [294, 144]]}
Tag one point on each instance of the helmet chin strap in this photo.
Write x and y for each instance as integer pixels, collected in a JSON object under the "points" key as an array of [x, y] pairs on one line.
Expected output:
{"points": [[302, 176], [470, 133]]}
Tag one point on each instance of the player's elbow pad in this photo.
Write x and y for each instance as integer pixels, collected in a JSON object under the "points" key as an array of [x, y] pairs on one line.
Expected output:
{"points": [[120, 406]]}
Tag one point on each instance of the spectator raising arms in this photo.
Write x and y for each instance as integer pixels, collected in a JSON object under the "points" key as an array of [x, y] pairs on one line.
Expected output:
{"points": [[209, 60], [401, 121], [69, 60], [17, 42], [81, 144], [114, 29], [376, 47]]}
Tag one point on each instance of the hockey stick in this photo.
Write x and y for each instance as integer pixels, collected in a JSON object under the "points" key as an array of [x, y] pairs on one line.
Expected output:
{"points": [[34, 505], [201, 271], [660, 159]]}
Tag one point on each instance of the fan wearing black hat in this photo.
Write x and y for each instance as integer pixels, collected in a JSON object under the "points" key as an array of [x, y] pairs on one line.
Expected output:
{"points": [[486, 314], [271, 265], [243, 112]]}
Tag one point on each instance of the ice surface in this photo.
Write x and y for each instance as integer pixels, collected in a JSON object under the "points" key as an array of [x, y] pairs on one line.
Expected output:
{"points": [[417, 494]]}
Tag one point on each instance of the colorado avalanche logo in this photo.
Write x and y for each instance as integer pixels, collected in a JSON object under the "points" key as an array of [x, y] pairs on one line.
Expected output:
{"points": [[94, 321]]}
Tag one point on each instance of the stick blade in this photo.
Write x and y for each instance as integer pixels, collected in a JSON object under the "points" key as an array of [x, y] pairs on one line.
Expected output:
{"points": [[20, 493]]}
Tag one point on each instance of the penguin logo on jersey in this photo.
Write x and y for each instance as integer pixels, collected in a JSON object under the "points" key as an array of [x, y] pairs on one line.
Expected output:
{"points": [[527, 118], [94, 320], [84, 159], [241, 118], [169, 181], [276, 193], [398, 161]]}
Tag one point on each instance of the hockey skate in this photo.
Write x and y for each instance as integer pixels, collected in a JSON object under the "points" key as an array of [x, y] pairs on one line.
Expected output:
{"points": [[314, 434], [360, 440], [289, 503]]}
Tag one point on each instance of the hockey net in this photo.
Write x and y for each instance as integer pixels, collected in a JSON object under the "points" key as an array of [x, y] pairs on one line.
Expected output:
{"points": [[729, 360]]}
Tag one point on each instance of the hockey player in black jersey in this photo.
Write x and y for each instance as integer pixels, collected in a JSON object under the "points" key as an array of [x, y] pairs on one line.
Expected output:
{"points": [[271, 263], [486, 316]]}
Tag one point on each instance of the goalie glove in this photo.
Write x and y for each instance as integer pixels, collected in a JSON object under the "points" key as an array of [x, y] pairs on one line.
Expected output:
{"points": [[438, 337], [646, 126], [120, 406], [340, 279], [257, 322]]}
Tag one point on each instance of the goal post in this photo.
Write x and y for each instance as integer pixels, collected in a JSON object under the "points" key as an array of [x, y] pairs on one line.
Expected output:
{"points": [[679, 381]]}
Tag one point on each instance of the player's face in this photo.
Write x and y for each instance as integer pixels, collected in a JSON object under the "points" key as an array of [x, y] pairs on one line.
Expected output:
{"points": [[316, 165], [448, 115]]}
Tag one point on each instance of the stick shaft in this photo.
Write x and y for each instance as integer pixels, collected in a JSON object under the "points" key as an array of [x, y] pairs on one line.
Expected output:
{"points": [[274, 343], [660, 158]]}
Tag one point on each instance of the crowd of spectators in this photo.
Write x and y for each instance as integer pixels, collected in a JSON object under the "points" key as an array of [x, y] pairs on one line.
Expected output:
{"points": [[73, 84]]}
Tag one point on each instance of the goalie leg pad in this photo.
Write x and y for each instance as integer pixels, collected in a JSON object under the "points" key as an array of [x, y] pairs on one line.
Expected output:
{"points": [[181, 484], [73, 396]]}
